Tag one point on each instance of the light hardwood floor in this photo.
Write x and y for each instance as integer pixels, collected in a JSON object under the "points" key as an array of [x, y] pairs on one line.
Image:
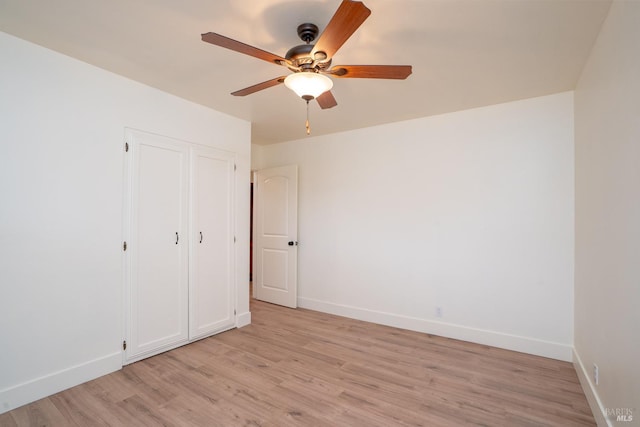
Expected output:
{"points": [[300, 367]]}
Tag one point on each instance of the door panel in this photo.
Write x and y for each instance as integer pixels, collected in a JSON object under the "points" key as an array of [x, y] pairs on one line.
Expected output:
{"points": [[276, 235], [275, 269], [275, 193], [158, 316], [212, 280]]}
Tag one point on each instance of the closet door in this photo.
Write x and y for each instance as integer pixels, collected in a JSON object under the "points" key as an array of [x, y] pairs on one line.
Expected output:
{"points": [[158, 290], [211, 278]]}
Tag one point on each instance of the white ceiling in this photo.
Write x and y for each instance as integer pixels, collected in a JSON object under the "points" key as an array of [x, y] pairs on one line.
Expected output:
{"points": [[465, 53]]}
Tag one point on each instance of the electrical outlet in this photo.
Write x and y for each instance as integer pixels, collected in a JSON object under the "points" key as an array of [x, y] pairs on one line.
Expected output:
{"points": [[438, 311], [596, 374]]}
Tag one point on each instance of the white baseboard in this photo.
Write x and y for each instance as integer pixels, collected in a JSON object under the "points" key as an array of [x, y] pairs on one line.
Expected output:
{"points": [[38, 388], [590, 392], [534, 346], [243, 319]]}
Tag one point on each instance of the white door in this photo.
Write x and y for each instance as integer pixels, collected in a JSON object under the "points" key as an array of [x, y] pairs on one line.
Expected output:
{"points": [[276, 235], [158, 283], [211, 279]]}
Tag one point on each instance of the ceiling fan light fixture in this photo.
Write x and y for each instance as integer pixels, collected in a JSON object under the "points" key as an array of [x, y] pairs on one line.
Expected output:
{"points": [[308, 85]]}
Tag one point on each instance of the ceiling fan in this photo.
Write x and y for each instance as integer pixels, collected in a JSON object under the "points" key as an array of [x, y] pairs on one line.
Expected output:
{"points": [[311, 63]]}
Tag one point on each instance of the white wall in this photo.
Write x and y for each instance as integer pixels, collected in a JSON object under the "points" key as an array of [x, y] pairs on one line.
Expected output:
{"points": [[256, 156], [61, 188], [470, 211], [607, 288]]}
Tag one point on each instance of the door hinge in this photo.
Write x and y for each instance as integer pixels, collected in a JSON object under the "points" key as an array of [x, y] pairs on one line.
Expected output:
{"points": [[124, 345], [124, 246], [126, 147], [234, 311], [234, 167], [234, 239]]}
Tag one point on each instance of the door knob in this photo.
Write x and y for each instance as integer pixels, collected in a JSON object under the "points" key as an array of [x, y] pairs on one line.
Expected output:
{"points": [[291, 243]]}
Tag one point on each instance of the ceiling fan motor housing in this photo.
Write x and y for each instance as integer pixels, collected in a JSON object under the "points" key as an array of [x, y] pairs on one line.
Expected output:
{"points": [[300, 56], [307, 32]]}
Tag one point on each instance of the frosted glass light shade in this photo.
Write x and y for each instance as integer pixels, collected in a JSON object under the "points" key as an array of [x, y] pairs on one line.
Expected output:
{"points": [[308, 84]]}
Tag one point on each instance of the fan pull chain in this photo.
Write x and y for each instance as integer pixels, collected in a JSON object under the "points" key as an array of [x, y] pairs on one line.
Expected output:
{"points": [[307, 122]]}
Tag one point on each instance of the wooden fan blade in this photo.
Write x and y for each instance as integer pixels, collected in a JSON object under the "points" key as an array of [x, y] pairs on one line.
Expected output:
{"points": [[371, 71], [349, 16], [237, 46], [260, 86], [326, 100]]}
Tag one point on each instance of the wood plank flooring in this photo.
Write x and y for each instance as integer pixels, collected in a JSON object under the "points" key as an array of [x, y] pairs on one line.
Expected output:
{"points": [[304, 368]]}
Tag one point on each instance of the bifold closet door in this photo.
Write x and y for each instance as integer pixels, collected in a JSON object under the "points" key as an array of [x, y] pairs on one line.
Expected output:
{"points": [[158, 291], [211, 281]]}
